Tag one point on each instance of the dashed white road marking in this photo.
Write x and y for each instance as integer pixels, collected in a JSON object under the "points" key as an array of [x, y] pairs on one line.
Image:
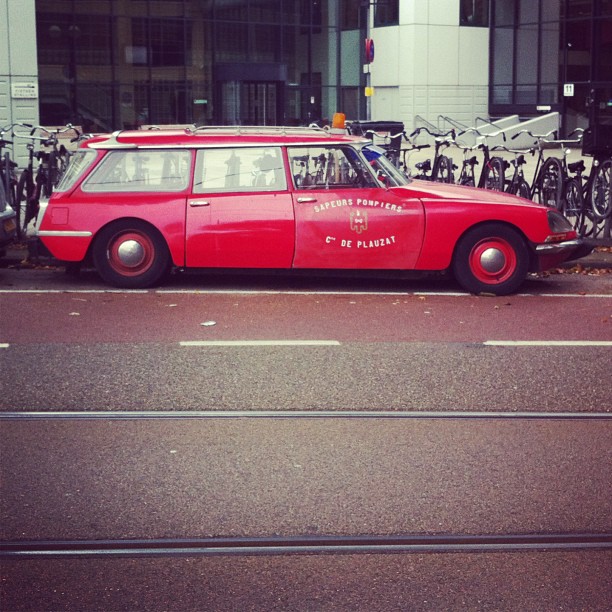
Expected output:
{"points": [[260, 343], [547, 343]]}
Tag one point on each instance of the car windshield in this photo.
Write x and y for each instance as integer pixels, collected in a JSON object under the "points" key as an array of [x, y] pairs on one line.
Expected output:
{"points": [[386, 173]]}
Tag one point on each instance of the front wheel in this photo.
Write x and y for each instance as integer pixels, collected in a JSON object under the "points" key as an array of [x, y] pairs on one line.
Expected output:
{"points": [[131, 254], [491, 258], [601, 191]]}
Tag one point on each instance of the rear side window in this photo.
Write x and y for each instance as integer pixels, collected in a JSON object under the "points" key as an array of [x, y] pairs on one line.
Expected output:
{"points": [[329, 167], [79, 162], [239, 169], [141, 170]]}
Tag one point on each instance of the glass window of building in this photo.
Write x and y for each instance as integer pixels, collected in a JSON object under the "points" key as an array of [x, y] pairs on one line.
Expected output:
{"points": [[386, 13], [120, 64], [474, 13]]}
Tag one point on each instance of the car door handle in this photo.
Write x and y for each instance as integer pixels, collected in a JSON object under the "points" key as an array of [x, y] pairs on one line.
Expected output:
{"points": [[302, 200], [199, 203]]}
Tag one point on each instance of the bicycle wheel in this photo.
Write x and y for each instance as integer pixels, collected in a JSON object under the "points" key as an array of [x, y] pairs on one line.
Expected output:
{"points": [[549, 186], [494, 174], [573, 205], [443, 172], [24, 201], [600, 193], [520, 187]]}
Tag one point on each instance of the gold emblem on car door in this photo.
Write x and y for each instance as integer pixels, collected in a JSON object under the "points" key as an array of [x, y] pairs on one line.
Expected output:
{"points": [[359, 221]]}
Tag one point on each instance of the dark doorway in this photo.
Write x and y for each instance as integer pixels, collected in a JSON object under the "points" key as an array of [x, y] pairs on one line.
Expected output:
{"points": [[250, 103]]}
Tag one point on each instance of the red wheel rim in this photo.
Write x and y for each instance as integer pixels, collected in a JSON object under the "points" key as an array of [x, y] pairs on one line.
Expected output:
{"points": [[493, 261], [131, 253]]}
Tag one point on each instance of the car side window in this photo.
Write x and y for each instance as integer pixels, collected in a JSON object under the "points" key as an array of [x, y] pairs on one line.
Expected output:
{"points": [[239, 169], [328, 167], [141, 170]]}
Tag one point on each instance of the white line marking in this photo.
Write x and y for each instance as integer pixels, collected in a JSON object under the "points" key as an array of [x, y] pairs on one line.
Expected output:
{"points": [[295, 292], [304, 414], [260, 343], [547, 343], [565, 295], [4, 344], [277, 292], [74, 291]]}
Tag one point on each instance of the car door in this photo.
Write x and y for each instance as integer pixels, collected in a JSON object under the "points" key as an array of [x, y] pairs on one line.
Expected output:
{"points": [[345, 219], [240, 213]]}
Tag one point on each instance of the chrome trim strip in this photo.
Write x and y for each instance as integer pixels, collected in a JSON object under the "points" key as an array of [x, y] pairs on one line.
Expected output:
{"points": [[64, 233]]}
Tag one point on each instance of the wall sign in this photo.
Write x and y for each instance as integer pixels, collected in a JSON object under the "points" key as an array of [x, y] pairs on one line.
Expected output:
{"points": [[24, 90]]}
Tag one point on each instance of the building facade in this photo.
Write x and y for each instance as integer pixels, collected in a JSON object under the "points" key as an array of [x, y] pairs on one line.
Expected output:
{"points": [[115, 64]]}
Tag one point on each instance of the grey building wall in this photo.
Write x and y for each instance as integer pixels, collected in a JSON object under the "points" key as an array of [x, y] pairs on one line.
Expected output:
{"points": [[18, 68]]}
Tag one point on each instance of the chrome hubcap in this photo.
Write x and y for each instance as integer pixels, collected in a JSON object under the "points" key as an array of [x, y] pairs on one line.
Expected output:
{"points": [[492, 260], [130, 253]]}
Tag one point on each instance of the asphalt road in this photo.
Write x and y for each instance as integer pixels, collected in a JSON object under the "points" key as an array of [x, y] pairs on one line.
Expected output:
{"points": [[250, 408]]}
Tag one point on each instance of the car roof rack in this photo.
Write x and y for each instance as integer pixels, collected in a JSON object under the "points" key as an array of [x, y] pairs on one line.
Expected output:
{"points": [[261, 129]]}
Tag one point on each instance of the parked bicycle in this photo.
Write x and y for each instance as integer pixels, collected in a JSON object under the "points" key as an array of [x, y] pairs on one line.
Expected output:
{"points": [[43, 171], [8, 171], [492, 175], [441, 168], [550, 175], [517, 184], [587, 197]]}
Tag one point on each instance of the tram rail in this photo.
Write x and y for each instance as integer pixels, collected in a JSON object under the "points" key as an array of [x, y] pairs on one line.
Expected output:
{"points": [[279, 545]]}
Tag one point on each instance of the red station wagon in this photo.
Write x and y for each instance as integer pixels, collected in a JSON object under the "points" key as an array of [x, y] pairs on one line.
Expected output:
{"points": [[139, 202]]}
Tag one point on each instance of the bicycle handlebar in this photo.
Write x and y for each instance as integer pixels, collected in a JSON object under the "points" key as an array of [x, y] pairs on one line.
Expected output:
{"points": [[536, 136], [515, 151], [477, 131], [384, 134], [416, 132]]}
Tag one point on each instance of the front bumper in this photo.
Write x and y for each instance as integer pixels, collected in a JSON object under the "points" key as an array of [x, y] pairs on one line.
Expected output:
{"points": [[555, 253]]}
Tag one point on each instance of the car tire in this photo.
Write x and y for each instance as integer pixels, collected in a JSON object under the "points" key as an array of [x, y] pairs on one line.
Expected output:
{"points": [[131, 254], [491, 258]]}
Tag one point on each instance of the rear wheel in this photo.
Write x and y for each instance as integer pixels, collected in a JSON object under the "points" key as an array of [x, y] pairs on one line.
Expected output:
{"points": [[520, 187], [550, 183], [26, 201], [495, 174], [444, 170], [491, 258], [601, 191], [131, 254], [573, 205]]}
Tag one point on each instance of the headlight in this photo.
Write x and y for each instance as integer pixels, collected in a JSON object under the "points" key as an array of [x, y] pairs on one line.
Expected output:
{"points": [[558, 223]]}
